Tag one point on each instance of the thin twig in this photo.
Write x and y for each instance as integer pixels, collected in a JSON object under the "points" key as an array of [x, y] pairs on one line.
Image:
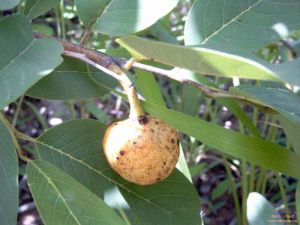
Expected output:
{"points": [[84, 58], [86, 36], [14, 139], [14, 122], [112, 66]]}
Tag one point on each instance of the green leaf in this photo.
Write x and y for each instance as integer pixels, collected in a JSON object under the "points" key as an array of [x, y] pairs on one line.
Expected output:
{"points": [[220, 189], [288, 71], [60, 199], [260, 211], [147, 85], [239, 26], [9, 172], [292, 131], [283, 101], [8, 4], [89, 11], [75, 147], [43, 28], [232, 105], [24, 60], [35, 8], [72, 75], [121, 17], [201, 60], [235, 144], [191, 98], [98, 113], [298, 200]]}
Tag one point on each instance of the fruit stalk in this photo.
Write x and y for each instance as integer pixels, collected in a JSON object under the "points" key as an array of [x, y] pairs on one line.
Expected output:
{"points": [[136, 109]]}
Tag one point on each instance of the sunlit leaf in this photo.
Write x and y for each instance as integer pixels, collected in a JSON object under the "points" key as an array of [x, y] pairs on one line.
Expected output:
{"points": [[201, 60], [8, 4], [239, 26], [121, 17]]}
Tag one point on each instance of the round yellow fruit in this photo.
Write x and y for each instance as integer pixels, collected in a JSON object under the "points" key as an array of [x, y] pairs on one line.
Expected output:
{"points": [[142, 152]]}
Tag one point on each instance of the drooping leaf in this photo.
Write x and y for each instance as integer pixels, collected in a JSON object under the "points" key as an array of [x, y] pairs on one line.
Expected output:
{"points": [[8, 4], [60, 199], [148, 87], [121, 17], [239, 26], [24, 60], [71, 81], [75, 147], [260, 211], [35, 8], [235, 144], [190, 100], [283, 101], [9, 171], [201, 60]]}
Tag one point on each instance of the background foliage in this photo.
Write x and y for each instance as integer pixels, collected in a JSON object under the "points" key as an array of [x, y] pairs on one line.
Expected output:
{"points": [[224, 73]]}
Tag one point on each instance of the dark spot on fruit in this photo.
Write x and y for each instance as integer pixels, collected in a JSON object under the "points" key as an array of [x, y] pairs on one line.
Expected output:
{"points": [[134, 142], [167, 147], [143, 119], [156, 122], [152, 130], [164, 163], [177, 141], [118, 158], [158, 179], [122, 152], [172, 141]]}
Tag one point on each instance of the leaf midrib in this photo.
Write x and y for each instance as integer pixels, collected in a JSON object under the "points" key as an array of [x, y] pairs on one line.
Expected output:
{"points": [[230, 22], [18, 55], [55, 188], [100, 14], [99, 172]]}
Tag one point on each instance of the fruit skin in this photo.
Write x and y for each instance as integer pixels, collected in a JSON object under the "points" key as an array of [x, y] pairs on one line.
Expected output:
{"points": [[143, 153]]}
